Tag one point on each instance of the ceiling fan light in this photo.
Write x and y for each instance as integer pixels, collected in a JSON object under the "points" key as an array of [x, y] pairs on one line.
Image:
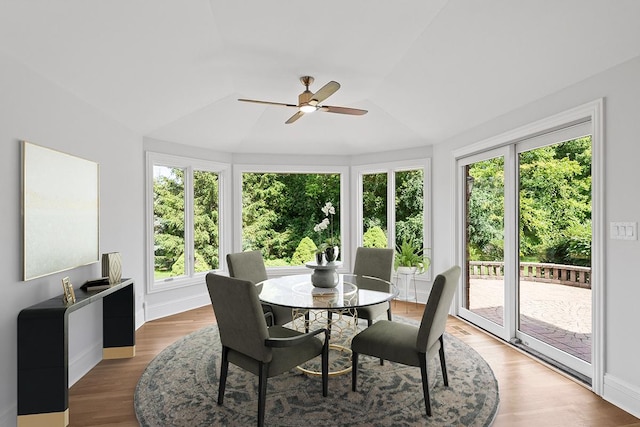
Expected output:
{"points": [[307, 108]]}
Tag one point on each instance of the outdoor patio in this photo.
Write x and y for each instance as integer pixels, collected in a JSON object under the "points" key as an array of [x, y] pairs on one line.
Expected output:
{"points": [[557, 314]]}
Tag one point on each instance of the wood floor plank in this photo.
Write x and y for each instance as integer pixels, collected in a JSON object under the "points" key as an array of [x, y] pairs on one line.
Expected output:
{"points": [[531, 394]]}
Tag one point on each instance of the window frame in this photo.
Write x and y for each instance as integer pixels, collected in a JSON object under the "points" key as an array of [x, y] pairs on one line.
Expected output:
{"points": [[390, 168], [343, 171], [224, 193]]}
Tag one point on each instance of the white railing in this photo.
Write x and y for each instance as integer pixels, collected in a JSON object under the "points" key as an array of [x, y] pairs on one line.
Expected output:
{"points": [[571, 275]]}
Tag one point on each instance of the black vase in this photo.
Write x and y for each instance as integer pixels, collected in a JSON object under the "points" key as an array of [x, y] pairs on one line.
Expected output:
{"points": [[331, 253]]}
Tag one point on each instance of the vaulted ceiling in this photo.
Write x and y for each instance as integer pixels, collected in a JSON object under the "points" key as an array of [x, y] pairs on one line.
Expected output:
{"points": [[425, 69]]}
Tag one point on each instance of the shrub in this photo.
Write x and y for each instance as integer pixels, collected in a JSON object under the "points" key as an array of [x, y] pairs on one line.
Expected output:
{"points": [[374, 238], [177, 269], [305, 252]]}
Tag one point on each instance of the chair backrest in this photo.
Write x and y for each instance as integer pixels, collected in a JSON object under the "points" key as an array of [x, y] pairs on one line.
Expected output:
{"points": [[239, 316], [247, 266], [434, 319], [374, 262]]}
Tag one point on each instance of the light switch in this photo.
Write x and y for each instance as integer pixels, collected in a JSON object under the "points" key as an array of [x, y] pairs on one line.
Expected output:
{"points": [[623, 230]]}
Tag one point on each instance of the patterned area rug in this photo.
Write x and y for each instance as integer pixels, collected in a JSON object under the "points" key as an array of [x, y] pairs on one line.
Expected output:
{"points": [[180, 388]]}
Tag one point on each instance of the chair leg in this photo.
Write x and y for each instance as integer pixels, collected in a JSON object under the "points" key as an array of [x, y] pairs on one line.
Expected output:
{"points": [[224, 369], [354, 371], [263, 373], [325, 367], [425, 382], [329, 320], [389, 313], [306, 321], [443, 363]]}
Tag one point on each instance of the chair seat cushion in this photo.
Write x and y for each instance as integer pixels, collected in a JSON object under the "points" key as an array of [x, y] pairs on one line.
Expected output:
{"points": [[390, 341], [373, 311]]}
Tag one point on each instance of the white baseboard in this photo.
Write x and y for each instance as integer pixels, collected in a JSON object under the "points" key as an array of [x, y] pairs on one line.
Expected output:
{"points": [[9, 416], [139, 318], [622, 394], [84, 362], [175, 306]]}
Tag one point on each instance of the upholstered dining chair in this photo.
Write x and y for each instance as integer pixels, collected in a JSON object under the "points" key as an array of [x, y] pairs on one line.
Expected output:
{"points": [[374, 262], [408, 344], [250, 266], [249, 343]]}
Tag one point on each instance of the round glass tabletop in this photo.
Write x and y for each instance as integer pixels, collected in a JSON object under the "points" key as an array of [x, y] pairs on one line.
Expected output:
{"points": [[351, 292]]}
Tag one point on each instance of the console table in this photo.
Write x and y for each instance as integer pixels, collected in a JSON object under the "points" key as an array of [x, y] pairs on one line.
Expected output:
{"points": [[43, 380]]}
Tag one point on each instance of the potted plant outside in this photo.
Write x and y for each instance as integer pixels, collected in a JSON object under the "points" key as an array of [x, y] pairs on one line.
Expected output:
{"points": [[410, 258]]}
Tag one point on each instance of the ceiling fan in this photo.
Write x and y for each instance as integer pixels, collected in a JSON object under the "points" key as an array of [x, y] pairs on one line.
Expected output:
{"points": [[308, 102]]}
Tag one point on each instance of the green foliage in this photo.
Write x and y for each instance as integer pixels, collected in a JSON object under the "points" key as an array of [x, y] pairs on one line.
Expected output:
{"points": [[168, 208], [572, 248], [410, 254], [177, 269], [279, 210], [554, 201], [304, 253], [374, 237], [276, 263], [409, 206], [169, 215], [374, 200]]}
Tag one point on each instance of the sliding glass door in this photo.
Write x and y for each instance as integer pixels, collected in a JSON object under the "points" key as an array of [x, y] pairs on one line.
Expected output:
{"points": [[525, 223]]}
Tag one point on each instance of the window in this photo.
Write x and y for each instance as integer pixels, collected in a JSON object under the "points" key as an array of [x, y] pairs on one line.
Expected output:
{"points": [[185, 209], [281, 209], [393, 204]]}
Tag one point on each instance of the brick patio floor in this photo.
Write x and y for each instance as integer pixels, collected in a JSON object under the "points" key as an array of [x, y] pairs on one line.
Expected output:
{"points": [[556, 314]]}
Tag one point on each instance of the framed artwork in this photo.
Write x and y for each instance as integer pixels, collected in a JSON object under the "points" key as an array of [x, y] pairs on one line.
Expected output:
{"points": [[60, 210], [69, 296]]}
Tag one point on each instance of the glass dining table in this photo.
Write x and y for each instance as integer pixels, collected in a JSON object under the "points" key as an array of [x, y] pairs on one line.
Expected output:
{"points": [[333, 308]]}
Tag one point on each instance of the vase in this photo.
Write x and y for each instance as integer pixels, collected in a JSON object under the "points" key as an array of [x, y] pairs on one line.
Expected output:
{"points": [[320, 258], [331, 253]]}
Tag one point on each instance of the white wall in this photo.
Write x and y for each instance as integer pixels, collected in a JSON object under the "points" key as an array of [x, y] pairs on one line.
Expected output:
{"points": [[620, 87], [34, 109]]}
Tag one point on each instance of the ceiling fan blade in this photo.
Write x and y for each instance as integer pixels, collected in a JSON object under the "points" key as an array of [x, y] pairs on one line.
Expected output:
{"points": [[267, 102], [295, 117], [343, 110], [326, 91]]}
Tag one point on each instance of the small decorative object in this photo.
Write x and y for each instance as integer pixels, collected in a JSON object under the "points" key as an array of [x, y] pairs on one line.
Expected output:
{"points": [[324, 276], [320, 258], [331, 253], [112, 267], [329, 247], [69, 296], [410, 257]]}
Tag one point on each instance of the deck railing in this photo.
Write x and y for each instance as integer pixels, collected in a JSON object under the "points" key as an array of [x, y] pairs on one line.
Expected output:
{"points": [[571, 275]]}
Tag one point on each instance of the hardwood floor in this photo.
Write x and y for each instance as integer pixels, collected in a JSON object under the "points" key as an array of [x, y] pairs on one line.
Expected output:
{"points": [[531, 394]]}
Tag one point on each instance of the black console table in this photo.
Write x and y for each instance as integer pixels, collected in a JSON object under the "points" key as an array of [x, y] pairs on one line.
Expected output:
{"points": [[43, 350]]}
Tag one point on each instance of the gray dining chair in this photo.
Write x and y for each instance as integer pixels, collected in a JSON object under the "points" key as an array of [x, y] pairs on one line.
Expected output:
{"points": [[374, 262], [249, 343], [250, 266], [408, 344]]}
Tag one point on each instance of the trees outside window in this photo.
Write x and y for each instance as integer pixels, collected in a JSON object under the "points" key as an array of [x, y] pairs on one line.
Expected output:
{"points": [[186, 205], [406, 189], [280, 210]]}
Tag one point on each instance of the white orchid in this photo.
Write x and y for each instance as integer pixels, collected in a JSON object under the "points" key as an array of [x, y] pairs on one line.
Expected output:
{"points": [[322, 226], [328, 210]]}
